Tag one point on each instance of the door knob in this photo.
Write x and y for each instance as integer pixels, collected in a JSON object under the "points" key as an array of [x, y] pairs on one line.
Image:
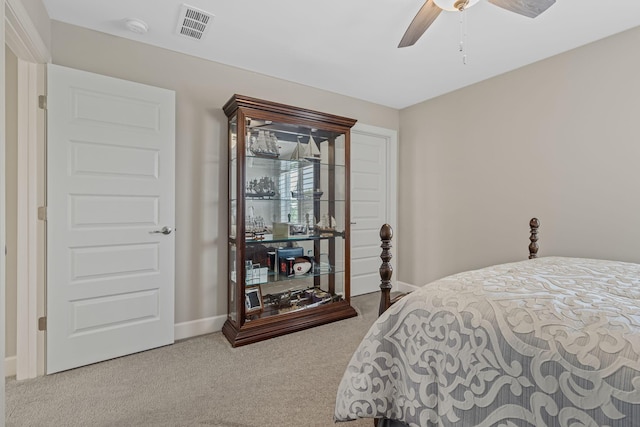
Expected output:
{"points": [[164, 230]]}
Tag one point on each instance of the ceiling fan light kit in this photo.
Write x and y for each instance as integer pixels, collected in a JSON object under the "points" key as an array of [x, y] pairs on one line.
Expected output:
{"points": [[432, 8], [455, 5]]}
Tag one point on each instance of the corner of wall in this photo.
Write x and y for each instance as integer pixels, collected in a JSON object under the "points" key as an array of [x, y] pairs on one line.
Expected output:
{"points": [[9, 366], [194, 328]]}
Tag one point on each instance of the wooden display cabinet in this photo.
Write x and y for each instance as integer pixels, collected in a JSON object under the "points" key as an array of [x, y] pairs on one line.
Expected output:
{"points": [[289, 239]]}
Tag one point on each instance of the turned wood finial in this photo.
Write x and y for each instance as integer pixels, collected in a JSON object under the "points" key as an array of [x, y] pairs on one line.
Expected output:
{"points": [[533, 246], [386, 234]]}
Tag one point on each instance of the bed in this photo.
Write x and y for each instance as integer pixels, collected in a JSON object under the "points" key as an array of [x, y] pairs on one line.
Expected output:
{"points": [[549, 341]]}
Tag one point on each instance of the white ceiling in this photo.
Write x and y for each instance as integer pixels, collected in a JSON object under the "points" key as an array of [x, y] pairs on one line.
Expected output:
{"points": [[350, 46]]}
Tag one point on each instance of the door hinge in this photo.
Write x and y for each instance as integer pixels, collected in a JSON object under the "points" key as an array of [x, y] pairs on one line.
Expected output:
{"points": [[42, 213], [42, 101], [42, 323]]}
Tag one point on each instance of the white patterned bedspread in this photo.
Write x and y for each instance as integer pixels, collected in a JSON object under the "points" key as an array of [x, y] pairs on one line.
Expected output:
{"points": [[544, 342]]}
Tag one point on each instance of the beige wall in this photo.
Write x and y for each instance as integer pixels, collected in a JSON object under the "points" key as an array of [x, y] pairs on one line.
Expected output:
{"points": [[202, 87], [11, 178], [558, 139], [2, 207]]}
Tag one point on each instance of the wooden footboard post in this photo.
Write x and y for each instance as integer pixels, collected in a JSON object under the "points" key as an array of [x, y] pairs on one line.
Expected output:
{"points": [[533, 246], [386, 233]]}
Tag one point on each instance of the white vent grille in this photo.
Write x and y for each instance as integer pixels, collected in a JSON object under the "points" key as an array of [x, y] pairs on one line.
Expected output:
{"points": [[193, 22]]}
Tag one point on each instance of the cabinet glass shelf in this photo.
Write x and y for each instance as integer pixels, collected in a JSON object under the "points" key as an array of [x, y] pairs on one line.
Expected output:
{"points": [[284, 164], [270, 239], [276, 198], [273, 277]]}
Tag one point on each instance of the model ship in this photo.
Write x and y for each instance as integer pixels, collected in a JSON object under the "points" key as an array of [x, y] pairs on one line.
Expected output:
{"points": [[261, 188], [308, 151], [326, 226], [264, 145], [254, 226], [298, 299], [316, 194]]}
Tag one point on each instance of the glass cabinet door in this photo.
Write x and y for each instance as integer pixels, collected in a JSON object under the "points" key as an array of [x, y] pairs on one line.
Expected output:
{"points": [[295, 222]]}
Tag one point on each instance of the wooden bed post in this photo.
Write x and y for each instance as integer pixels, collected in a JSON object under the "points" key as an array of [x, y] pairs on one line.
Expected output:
{"points": [[386, 233], [533, 246]]}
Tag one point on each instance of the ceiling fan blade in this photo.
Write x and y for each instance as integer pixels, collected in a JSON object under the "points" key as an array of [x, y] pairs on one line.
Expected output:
{"points": [[530, 8], [423, 19]]}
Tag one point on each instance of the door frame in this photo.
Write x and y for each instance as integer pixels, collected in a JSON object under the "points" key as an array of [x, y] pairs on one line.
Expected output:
{"points": [[23, 38], [3, 200], [391, 138]]}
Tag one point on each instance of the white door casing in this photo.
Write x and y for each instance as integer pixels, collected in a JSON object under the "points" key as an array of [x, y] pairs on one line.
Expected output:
{"points": [[110, 188], [2, 213], [373, 201], [24, 40]]}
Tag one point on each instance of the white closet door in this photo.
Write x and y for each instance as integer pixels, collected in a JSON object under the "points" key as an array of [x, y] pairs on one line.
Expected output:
{"points": [[110, 190], [373, 202]]}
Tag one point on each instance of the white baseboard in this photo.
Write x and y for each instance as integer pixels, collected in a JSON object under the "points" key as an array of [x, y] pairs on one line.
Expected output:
{"points": [[198, 327], [10, 366], [181, 331], [405, 287]]}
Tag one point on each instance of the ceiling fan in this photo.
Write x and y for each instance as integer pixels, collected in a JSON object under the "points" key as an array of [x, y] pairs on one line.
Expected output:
{"points": [[432, 8]]}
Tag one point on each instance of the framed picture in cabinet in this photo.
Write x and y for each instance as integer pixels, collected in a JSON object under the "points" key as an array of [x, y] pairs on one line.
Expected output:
{"points": [[253, 300]]}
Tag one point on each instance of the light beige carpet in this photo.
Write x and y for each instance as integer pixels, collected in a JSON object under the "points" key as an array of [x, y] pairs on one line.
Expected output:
{"points": [[286, 381]]}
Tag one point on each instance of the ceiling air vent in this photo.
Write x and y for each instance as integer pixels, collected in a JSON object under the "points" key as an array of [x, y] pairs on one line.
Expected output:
{"points": [[193, 22]]}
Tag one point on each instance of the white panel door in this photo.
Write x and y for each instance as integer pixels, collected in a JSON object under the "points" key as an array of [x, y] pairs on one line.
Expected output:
{"points": [[110, 189], [373, 202]]}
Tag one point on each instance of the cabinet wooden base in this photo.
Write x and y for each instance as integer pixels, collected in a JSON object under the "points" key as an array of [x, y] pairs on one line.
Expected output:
{"points": [[262, 329]]}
